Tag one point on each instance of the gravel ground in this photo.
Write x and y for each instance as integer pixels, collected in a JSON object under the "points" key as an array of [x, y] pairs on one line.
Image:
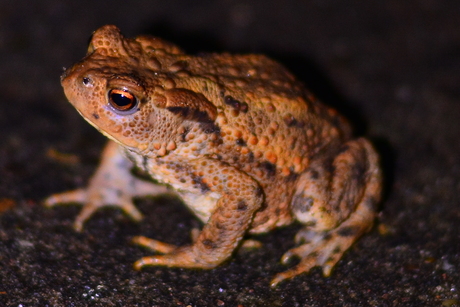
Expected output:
{"points": [[391, 67]]}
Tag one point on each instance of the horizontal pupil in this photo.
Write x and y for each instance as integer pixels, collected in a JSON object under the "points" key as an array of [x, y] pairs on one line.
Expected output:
{"points": [[121, 100]]}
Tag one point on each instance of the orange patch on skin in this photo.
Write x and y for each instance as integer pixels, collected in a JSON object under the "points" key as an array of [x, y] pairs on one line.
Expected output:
{"points": [[297, 160], [285, 171], [271, 157], [253, 140], [237, 133], [244, 150], [171, 146], [264, 141], [161, 151]]}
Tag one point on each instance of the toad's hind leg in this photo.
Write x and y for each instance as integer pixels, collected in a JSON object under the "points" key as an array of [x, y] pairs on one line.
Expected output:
{"points": [[337, 209]]}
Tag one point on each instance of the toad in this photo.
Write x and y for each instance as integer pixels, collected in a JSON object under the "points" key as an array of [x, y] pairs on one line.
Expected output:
{"points": [[239, 139]]}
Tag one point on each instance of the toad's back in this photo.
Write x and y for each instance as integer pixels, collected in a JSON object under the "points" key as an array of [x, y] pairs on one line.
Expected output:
{"points": [[263, 111]]}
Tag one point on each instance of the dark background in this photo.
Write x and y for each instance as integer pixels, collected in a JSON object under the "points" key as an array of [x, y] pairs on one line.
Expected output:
{"points": [[390, 66]]}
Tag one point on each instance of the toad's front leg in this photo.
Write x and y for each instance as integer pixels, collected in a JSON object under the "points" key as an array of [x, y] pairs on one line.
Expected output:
{"points": [[240, 197], [111, 185]]}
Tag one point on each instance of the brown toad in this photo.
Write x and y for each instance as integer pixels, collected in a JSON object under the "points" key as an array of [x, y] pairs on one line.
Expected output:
{"points": [[237, 137]]}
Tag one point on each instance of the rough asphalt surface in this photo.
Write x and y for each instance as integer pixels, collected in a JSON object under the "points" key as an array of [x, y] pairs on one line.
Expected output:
{"points": [[392, 67]]}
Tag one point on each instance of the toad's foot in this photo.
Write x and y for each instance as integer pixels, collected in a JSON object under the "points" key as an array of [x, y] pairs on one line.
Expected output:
{"points": [[154, 245], [92, 202], [175, 256], [324, 250], [111, 185], [185, 257]]}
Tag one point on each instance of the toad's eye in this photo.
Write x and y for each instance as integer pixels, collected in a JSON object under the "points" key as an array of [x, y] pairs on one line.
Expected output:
{"points": [[122, 101]]}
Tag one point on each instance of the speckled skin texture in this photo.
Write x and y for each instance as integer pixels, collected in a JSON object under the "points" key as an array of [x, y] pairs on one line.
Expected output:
{"points": [[240, 140]]}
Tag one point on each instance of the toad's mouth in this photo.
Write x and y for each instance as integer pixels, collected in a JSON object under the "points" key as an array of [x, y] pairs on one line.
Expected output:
{"points": [[129, 144]]}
